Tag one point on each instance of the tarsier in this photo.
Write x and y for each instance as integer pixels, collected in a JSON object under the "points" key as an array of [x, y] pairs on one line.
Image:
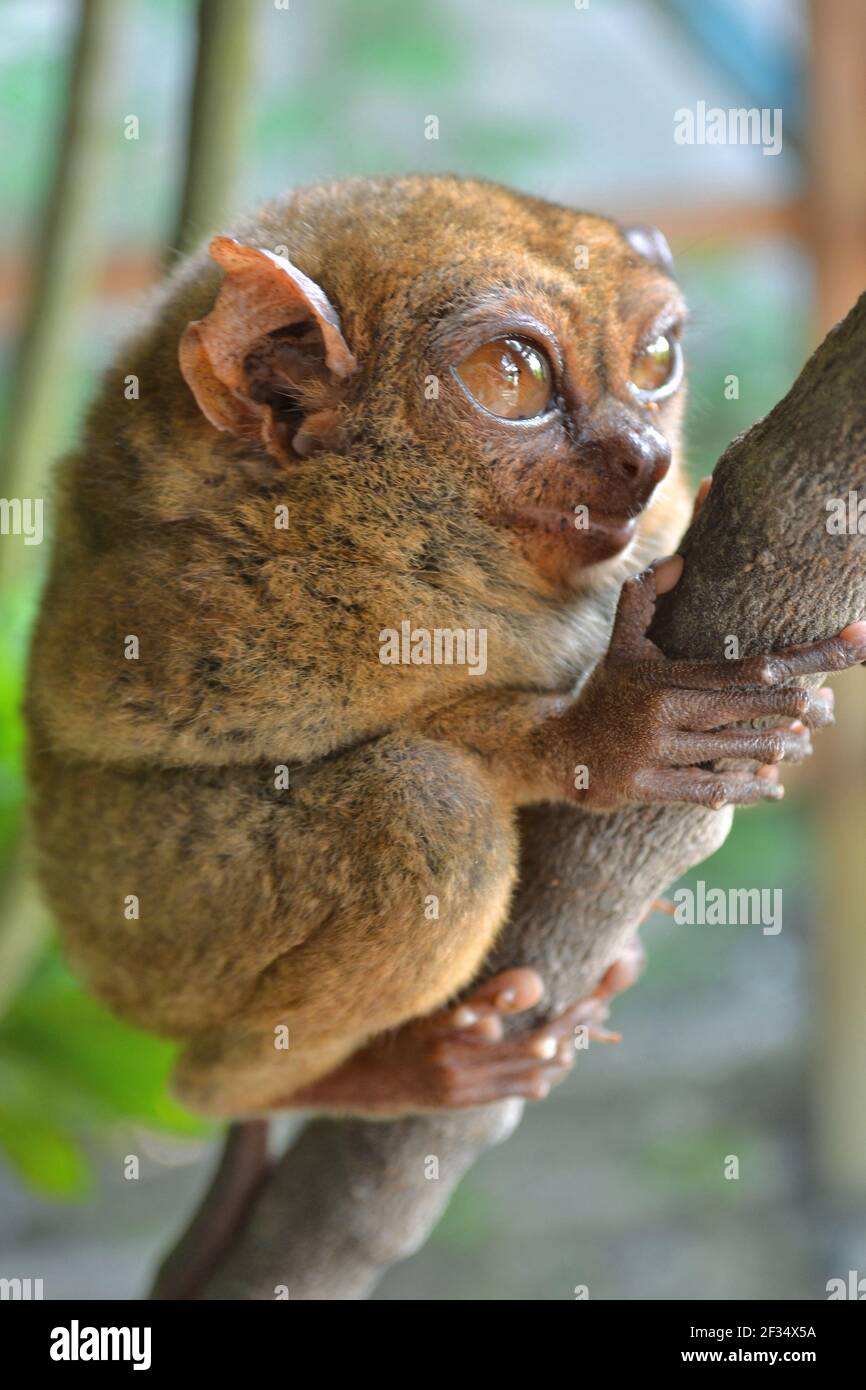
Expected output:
{"points": [[426, 402]]}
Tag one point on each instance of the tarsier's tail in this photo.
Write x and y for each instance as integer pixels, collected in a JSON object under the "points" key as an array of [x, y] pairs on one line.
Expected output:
{"points": [[221, 1215]]}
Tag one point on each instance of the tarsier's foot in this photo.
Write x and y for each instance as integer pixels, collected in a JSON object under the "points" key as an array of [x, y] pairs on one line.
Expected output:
{"points": [[460, 1057]]}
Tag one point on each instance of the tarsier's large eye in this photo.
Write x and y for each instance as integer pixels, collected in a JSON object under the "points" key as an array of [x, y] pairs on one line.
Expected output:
{"points": [[656, 370], [510, 377]]}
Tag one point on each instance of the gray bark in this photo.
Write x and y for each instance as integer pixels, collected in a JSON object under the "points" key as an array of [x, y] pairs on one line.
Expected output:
{"points": [[350, 1198]]}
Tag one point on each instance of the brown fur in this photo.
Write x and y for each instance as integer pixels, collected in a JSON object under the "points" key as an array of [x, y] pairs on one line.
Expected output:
{"points": [[260, 646]]}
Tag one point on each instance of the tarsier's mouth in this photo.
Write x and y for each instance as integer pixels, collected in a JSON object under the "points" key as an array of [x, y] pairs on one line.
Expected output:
{"points": [[588, 534]]}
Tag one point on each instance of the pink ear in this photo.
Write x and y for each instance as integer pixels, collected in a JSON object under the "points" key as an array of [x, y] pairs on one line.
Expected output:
{"points": [[261, 292], [652, 244]]}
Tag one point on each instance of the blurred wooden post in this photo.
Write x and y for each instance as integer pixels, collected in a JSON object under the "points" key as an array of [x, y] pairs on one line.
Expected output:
{"points": [[217, 118], [64, 263], [838, 228]]}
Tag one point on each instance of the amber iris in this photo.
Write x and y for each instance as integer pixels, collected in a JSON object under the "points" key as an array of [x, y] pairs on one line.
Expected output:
{"points": [[654, 366], [510, 377]]}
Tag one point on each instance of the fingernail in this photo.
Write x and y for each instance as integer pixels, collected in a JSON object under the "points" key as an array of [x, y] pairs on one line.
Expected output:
{"points": [[798, 727], [667, 571], [545, 1048], [505, 997], [465, 1017], [602, 1035], [855, 633]]}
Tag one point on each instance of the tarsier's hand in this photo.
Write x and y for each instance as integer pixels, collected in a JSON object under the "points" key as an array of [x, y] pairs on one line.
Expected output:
{"points": [[642, 725]]}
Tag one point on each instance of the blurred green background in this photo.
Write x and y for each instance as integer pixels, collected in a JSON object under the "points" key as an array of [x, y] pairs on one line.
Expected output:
{"points": [[736, 1043]]}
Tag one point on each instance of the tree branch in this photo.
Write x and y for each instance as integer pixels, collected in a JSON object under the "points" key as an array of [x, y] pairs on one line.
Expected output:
{"points": [[350, 1198]]}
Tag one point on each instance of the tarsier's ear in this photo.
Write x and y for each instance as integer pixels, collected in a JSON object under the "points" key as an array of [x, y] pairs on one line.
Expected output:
{"points": [[267, 361], [652, 244]]}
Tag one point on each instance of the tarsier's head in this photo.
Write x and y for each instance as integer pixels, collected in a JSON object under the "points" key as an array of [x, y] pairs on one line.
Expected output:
{"points": [[529, 353]]}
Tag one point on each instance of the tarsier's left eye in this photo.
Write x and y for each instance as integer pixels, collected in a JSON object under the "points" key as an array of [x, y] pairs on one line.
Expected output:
{"points": [[510, 377], [657, 369]]}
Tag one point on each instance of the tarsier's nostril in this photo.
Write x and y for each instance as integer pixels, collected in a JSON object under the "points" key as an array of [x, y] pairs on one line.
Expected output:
{"points": [[643, 456]]}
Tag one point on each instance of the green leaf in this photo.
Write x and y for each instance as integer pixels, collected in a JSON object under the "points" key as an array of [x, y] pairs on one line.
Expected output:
{"points": [[68, 1068], [108, 1065], [17, 607], [46, 1157]]}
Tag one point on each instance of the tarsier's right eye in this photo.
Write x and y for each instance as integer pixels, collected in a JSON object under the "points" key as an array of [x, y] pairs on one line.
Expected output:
{"points": [[509, 377], [656, 370]]}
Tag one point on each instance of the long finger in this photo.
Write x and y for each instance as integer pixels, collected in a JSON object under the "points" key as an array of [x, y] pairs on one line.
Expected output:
{"points": [[838, 653]]}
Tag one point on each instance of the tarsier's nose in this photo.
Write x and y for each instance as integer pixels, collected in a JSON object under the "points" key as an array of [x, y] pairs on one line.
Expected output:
{"points": [[632, 449], [644, 454]]}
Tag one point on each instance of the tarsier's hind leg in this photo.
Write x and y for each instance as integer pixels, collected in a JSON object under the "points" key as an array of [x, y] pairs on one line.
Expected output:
{"points": [[455, 1058], [404, 920], [239, 1072], [315, 1007]]}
